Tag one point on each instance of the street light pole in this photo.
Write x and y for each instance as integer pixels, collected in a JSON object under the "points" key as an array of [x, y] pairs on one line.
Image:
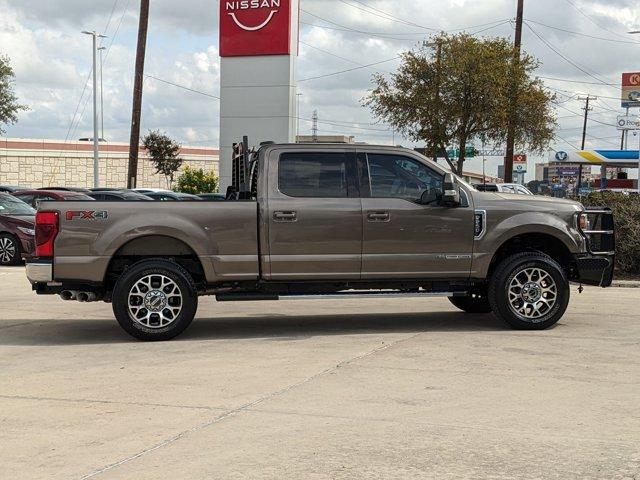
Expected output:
{"points": [[635, 32], [101, 50], [96, 145]]}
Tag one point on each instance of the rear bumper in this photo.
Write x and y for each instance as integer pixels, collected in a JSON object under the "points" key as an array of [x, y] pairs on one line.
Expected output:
{"points": [[595, 269], [39, 271]]}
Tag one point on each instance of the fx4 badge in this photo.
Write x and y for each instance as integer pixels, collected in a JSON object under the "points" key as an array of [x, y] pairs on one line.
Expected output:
{"points": [[73, 215]]}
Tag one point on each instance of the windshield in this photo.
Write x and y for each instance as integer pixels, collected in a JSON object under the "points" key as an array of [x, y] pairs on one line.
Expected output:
{"points": [[12, 206]]}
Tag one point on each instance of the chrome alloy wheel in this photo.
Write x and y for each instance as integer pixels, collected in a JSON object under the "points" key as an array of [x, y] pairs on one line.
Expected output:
{"points": [[155, 301], [532, 293], [7, 250]]}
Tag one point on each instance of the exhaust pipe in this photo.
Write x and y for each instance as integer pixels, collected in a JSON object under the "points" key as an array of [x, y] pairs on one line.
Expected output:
{"points": [[68, 295], [85, 297]]}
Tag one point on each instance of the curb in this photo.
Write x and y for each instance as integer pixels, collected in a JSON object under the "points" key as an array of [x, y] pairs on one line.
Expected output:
{"points": [[626, 283]]}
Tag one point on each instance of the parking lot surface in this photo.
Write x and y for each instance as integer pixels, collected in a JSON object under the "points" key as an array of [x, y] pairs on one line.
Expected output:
{"points": [[350, 389]]}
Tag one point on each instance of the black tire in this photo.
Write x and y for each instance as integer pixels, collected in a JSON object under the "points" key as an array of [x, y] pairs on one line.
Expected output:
{"points": [[521, 314], [474, 303], [153, 327], [10, 250]]}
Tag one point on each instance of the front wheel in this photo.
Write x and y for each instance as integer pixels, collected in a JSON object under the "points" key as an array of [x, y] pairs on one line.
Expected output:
{"points": [[155, 300], [529, 291]]}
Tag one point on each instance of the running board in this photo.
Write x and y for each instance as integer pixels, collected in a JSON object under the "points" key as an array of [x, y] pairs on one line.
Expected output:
{"points": [[256, 297]]}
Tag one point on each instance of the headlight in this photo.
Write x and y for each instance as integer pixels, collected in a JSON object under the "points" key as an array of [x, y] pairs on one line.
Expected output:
{"points": [[583, 222], [27, 231]]}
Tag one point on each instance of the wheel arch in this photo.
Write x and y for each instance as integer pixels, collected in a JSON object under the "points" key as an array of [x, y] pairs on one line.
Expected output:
{"points": [[547, 243], [154, 246]]}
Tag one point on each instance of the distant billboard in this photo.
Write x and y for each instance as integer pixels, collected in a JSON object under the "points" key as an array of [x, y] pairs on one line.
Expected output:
{"points": [[568, 171], [631, 90]]}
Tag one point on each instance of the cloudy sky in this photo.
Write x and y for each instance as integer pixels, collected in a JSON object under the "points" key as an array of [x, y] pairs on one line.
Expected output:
{"points": [[582, 44]]}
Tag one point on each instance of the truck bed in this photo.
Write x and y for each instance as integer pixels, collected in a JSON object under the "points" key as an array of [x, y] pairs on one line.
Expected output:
{"points": [[223, 235]]}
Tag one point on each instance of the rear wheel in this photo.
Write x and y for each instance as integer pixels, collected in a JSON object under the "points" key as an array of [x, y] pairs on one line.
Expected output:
{"points": [[529, 291], [10, 251], [155, 300], [474, 303]]}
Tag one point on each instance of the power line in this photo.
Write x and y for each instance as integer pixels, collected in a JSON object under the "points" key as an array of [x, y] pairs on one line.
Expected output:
{"points": [[582, 34], [563, 56], [338, 56], [177, 85], [348, 70], [387, 16], [588, 17]]}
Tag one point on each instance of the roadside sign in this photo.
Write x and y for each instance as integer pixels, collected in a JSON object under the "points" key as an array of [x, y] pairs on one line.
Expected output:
{"points": [[568, 171], [631, 90], [520, 163], [469, 152], [562, 156], [628, 122]]}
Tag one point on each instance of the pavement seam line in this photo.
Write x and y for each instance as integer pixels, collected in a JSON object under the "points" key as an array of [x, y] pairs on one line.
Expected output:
{"points": [[106, 402], [244, 407]]}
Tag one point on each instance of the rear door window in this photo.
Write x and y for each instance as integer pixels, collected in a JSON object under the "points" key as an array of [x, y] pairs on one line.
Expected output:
{"points": [[313, 175]]}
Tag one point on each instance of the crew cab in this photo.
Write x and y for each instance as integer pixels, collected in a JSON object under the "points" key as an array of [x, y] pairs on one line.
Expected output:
{"points": [[324, 221]]}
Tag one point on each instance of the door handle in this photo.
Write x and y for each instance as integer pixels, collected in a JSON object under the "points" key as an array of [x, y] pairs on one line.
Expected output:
{"points": [[285, 216], [379, 216]]}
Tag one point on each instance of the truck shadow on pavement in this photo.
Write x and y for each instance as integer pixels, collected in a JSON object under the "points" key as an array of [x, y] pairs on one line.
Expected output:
{"points": [[268, 326]]}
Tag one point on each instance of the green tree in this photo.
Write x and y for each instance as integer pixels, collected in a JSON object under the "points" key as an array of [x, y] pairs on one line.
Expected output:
{"points": [[164, 154], [9, 106], [454, 89], [196, 181]]}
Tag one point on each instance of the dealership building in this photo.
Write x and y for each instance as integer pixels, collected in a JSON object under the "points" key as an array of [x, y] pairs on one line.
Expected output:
{"points": [[47, 163]]}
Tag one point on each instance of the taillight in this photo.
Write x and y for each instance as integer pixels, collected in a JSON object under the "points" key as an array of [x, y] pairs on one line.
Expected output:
{"points": [[46, 232]]}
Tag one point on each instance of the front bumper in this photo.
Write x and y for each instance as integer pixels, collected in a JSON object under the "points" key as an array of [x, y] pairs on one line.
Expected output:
{"points": [[39, 271], [595, 269], [597, 265]]}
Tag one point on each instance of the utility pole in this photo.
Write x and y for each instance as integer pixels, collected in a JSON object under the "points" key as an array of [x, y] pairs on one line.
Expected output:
{"points": [[96, 140], [314, 128], [511, 131], [134, 142], [298, 95], [101, 50], [438, 63], [587, 109]]}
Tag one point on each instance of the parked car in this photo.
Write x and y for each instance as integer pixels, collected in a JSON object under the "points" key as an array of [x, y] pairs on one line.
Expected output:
{"points": [[34, 197], [109, 189], [503, 188], [213, 197], [66, 189], [16, 229], [144, 191], [10, 188], [173, 197], [119, 196], [326, 221]]}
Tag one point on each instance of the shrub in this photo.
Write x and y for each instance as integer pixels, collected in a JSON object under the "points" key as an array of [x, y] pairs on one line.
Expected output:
{"points": [[197, 181], [626, 212], [164, 154]]}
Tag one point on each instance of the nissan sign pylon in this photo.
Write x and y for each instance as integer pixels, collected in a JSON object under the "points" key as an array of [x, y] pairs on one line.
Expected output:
{"points": [[258, 50]]}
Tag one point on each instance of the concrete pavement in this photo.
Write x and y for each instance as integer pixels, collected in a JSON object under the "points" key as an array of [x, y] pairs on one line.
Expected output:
{"points": [[402, 388]]}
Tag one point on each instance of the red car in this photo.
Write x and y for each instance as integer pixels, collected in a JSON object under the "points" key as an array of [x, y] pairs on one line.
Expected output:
{"points": [[16, 230], [33, 197]]}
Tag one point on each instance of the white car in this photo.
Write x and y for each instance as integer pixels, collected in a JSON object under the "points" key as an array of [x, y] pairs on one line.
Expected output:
{"points": [[144, 191], [504, 188]]}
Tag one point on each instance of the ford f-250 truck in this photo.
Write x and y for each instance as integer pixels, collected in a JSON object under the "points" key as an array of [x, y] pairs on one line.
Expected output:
{"points": [[325, 221]]}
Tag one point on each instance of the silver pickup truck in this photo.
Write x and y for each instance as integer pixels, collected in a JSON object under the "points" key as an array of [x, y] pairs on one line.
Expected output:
{"points": [[325, 221]]}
